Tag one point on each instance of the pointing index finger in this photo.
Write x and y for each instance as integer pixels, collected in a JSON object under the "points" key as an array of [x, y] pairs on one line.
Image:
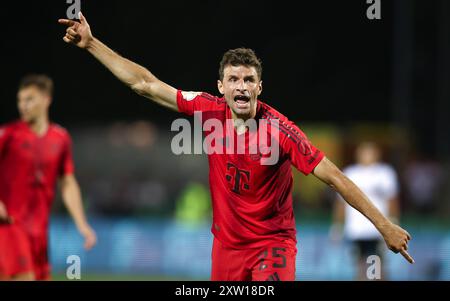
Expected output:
{"points": [[407, 256], [66, 22]]}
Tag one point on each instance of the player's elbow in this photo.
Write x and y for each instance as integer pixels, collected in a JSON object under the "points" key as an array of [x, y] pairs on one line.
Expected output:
{"points": [[144, 85], [337, 179], [139, 87]]}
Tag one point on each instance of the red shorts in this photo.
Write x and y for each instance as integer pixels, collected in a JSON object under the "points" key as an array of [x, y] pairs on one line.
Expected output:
{"points": [[15, 252], [273, 262], [20, 254], [41, 265]]}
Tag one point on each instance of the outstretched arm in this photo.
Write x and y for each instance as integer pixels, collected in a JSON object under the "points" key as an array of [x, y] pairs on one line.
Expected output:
{"points": [[395, 237], [138, 78], [71, 195]]}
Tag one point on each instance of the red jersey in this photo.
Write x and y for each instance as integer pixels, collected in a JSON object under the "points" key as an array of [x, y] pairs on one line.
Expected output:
{"points": [[29, 168], [252, 202]]}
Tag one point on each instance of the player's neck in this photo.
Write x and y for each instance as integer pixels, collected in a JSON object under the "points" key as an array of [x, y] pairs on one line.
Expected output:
{"points": [[244, 117], [39, 126], [239, 120]]}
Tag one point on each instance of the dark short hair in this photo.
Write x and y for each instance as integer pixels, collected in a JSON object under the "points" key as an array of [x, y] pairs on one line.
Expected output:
{"points": [[41, 81], [240, 57]]}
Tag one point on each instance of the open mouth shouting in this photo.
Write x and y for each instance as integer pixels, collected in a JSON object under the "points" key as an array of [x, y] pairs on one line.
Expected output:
{"points": [[242, 101]]}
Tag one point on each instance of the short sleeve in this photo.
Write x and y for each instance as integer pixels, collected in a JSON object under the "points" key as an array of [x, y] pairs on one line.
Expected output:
{"points": [[301, 152], [190, 102], [67, 165]]}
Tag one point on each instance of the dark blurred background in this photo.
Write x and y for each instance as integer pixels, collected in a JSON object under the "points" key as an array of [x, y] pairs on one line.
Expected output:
{"points": [[342, 77]]}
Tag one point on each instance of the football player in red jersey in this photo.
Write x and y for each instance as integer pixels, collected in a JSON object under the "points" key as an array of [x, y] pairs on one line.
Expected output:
{"points": [[34, 154], [253, 222]]}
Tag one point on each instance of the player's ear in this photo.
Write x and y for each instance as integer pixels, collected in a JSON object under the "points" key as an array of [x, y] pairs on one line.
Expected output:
{"points": [[220, 87], [260, 87]]}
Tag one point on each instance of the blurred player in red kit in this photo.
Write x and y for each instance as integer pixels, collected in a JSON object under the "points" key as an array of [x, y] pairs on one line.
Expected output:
{"points": [[34, 154], [253, 221]]}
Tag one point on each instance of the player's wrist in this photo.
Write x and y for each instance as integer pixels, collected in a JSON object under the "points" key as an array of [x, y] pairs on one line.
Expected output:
{"points": [[394, 220], [384, 226], [82, 226], [90, 43]]}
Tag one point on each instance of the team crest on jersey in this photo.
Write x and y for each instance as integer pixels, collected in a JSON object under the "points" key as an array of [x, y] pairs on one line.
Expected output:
{"points": [[188, 96]]}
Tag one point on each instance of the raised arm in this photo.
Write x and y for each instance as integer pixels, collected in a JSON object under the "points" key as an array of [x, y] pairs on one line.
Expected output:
{"points": [[138, 78], [395, 237]]}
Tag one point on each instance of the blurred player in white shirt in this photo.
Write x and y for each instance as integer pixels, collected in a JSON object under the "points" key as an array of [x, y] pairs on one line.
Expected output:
{"points": [[379, 182]]}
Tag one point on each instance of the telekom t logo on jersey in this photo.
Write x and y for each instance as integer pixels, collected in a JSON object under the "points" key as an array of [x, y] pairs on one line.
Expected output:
{"points": [[239, 178], [218, 142]]}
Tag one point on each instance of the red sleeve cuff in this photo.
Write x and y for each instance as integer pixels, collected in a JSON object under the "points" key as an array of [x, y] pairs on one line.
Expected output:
{"points": [[315, 159], [181, 103]]}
